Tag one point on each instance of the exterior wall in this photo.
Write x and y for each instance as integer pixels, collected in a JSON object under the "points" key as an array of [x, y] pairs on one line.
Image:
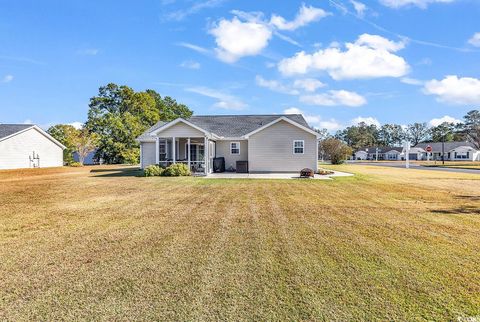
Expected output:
{"points": [[148, 154], [15, 151], [181, 130], [223, 150], [271, 150], [361, 155]]}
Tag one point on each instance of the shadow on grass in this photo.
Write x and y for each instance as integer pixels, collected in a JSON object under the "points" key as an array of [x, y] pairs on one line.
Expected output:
{"points": [[464, 210], [119, 172], [468, 197]]}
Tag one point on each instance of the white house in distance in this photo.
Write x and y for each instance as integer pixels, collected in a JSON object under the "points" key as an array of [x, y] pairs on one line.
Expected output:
{"points": [[241, 143], [454, 151], [28, 146]]}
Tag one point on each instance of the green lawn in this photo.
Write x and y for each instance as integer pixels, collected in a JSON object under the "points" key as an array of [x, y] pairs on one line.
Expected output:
{"points": [[101, 244]]}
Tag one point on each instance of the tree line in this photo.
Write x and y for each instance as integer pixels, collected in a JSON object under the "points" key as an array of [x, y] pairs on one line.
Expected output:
{"points": [[362, 134], [117, 115]]}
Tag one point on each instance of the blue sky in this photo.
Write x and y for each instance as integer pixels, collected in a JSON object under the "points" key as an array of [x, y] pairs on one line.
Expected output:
{"points": [[337, 61]]}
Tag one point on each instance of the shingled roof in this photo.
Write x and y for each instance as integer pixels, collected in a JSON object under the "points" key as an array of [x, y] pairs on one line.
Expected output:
{"points": [[437, 146], [9, 129], [231, 126]]}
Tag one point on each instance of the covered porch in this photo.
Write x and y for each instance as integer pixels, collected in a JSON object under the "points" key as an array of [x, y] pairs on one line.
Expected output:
{"points": [[196, 152]]}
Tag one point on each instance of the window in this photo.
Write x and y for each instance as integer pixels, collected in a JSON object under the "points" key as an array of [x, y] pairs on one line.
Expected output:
{"points": [[162, 150], [234, 147], [298, 146]]}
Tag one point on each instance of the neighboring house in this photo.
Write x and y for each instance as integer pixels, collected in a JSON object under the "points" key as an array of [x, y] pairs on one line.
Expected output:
{"points": [[454, 151], [379, 153], [28, 146], [268, 143], [90, 159]]}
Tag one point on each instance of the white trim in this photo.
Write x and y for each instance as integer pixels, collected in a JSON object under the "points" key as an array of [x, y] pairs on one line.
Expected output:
{"points": [[238, 143], [44, 133], [286, 119], [174, 150], [172, 123], [157, 150], [317, 142], [303, 146]]}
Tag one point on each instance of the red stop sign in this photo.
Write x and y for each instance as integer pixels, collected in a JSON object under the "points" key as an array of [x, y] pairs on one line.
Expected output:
{"points": [[428, 149]]}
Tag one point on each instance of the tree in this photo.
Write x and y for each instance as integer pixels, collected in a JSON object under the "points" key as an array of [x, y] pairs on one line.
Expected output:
{"points": [[323, 133], [118, 115], [472, 127], [358, 136], [417, 132], [65, 134], [391, 134], [336, 150], [443, 132], [85, 142]]}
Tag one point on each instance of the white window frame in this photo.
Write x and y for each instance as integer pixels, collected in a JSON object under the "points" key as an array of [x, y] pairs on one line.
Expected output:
{"points": [[238, 147], [303, 146]]}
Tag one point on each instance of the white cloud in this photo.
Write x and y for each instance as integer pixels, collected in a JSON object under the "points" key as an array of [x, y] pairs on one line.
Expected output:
{"points": [[275, 86], [193, 47], [411, 81], [475, 40], [454, 90], [192, 9], [224, 101], [359, 7], [334, 98], [88, 51], [446, 118], [28, 121], [305, 16], [308, 84], [418, 3], [315, 120], [7, 78], [367, 120], [236, 39], [190, 64], [370, 56]]}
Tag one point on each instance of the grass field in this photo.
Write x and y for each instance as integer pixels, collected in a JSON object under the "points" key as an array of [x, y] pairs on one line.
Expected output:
{"points": [[102, 244]]}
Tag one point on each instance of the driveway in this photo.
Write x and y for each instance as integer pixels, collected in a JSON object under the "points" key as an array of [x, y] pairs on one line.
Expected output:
{"points": [[415, 166]]}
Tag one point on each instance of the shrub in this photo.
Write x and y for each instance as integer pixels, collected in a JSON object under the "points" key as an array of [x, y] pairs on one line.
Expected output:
{"points": [[153, 171], [75, 164], [176, 170], [336, 150]]}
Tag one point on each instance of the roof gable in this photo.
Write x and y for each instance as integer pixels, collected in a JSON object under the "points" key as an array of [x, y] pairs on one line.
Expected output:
{"points": [[228, 126], [9, 130]]}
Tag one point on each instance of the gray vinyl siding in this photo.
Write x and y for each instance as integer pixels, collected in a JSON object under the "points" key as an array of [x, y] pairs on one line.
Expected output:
{"points": [[148, 154], [16, 150], [271, 150], [223, 150], [181, 130]]}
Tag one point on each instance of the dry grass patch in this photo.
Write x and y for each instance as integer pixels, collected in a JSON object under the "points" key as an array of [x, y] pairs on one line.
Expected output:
{"points": [[387, 244]]}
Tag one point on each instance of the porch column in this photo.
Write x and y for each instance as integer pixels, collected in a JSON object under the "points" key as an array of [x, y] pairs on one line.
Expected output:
{"points": [[157, 150], [174, 149], [188, 151], [205, 152]]}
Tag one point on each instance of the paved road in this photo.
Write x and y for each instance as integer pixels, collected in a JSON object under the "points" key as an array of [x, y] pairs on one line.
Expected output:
{"points": [[416, 166]]}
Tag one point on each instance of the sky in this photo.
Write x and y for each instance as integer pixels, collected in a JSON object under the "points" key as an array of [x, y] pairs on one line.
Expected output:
{"points": [[337, 62]]}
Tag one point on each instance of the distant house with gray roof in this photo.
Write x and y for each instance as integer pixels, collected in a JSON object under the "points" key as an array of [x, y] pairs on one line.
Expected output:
{"points": [[253, 143], [28, 146]]}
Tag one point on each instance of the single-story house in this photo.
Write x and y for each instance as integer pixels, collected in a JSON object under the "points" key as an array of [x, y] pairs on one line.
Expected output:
{"points": [[379, 153], [454, 151], [253, 143], [28, 146]]}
